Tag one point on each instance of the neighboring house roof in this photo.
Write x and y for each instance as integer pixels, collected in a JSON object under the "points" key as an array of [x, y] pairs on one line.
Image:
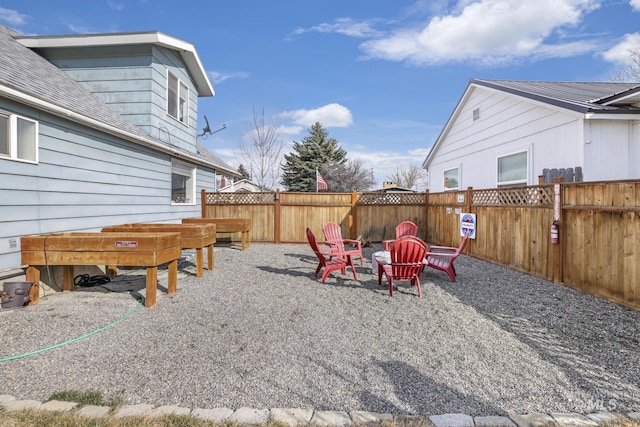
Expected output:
{"points": [[186, 50], [243, 185], [583, 97], [204, 153], [588, 98], [394, 189], [28, 78]]}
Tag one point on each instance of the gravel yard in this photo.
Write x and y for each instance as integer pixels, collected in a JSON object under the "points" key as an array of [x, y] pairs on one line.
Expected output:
{"points": [[260, 331]]}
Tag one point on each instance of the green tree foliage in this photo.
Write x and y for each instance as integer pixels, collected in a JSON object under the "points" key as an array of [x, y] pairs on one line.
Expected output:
{"points": [[243, 171], [314, 151]]}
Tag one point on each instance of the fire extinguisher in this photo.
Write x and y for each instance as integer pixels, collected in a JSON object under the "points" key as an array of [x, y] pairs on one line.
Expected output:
{"points": [[555, 231]]}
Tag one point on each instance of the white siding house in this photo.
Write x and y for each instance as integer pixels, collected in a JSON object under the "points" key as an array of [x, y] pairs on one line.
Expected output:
{"points": [[508, 132], [91, 135]]}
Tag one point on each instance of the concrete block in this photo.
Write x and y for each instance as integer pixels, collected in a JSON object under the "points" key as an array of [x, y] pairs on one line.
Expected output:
{"points": [[534, 419], [291, 416], [634, 415], [6, 398], [493, 421], [452, 420], [21, 405], [93, 411], [331, 418], [161, 411], [214, 414], [364, 417], [602, 418], [139, 410], [246, 415], [573, 419], [58, 406]]}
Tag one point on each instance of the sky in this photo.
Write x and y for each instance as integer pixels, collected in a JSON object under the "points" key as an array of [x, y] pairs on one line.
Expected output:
{"points": [[381, 76]]}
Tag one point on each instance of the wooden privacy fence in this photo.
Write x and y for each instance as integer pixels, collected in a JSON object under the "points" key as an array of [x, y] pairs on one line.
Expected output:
{"points": [[598, 249]]}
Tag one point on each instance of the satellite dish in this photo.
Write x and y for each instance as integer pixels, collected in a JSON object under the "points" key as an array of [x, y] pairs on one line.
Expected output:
{"points": [[207, 129]]}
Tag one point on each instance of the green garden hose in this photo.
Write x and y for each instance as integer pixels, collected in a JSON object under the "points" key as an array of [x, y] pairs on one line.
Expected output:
{"points": [[136, 295]]}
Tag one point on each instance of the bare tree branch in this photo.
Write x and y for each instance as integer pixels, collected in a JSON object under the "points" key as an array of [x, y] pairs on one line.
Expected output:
{"points": [[632, 72], [261, 151], [407, 176]]}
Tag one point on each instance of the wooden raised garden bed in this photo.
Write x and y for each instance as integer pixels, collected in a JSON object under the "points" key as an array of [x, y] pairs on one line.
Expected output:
{"points": [[148, 250]]}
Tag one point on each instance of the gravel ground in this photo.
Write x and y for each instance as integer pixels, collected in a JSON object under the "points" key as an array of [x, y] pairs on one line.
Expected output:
{"points": [[261, 331]]}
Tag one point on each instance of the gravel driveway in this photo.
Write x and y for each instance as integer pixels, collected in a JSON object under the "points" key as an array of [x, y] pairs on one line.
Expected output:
{"points": [[261, 331]]}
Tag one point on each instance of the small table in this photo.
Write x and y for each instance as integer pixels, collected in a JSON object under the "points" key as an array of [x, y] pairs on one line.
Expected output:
{"points": [[379, 258]]}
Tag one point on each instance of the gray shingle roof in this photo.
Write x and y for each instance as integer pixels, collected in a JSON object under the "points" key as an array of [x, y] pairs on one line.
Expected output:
{"points": [[26, 72], [577, 96]]}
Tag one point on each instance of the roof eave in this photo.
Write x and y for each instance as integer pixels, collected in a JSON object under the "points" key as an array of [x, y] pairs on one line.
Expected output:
{"points": [[185, 49], [65, 113]]}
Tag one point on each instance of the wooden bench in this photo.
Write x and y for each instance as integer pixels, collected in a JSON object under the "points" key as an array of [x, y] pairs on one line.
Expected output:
{"points": [[148, 250], [227, 225], [193, 236]]}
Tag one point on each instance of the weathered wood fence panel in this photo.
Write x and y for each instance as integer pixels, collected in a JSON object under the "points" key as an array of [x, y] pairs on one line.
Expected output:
{"points": [[260, 207], [301, 210], [601, 231], [378, 214], [442, 226]]}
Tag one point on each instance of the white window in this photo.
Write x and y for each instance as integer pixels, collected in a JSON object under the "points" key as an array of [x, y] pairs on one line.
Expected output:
{"points": [[177, 99], [183, 184], [18, 138], [512, 169], [451, 179]]}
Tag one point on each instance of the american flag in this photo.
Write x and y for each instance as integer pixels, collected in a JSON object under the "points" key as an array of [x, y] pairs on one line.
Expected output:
{"points": [[320, 182]]}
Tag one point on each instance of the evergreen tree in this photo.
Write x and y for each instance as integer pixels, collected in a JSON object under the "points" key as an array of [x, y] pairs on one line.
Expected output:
{"points": [[315, 150], [242, 171]]}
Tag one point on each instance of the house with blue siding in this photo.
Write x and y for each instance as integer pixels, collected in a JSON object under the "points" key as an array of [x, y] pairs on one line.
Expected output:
{"points": [[99, 130]]}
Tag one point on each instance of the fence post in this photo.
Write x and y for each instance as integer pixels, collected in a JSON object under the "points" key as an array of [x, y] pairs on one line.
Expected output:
{"points": [[276, 217], [353, 223], [426, 216], [203, 203], [556, 250]]}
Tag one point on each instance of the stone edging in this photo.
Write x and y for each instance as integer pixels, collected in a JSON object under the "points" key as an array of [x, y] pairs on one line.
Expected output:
{"points": [[297, 416]]}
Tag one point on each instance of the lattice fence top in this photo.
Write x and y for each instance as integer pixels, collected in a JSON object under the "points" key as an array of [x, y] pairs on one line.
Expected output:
{"points": [[240, 198], [519, 196], [391, 199]]}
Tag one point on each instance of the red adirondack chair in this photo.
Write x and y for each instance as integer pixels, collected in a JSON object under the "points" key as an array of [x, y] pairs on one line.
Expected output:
{"points": [[405, 228], [330, 261], [442, 257], [407, 256], [333, 236]]}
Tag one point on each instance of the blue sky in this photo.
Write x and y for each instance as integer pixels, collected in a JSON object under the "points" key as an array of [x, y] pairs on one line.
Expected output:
{"points": [[382, 76]]}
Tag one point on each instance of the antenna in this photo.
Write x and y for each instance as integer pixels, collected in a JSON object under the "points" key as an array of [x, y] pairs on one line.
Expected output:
{"points": [[207, 129]]}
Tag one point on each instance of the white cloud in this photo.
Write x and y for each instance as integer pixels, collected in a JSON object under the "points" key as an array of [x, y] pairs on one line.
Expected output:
{"points": [[115, 5], [344, 26], [330, 115], [219, 77], [486, 31], [635, 4], [12, 17], [289, 130], [620, 52]]}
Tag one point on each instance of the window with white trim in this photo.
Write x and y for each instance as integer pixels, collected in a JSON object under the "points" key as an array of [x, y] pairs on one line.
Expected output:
{"points": [[451, 179], [512, 169], [18, 137], [183, 184], [177, 99]]}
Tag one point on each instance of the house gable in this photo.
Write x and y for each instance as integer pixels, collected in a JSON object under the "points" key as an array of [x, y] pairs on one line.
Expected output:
{"points": [[492, 122], [132, 78]]}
